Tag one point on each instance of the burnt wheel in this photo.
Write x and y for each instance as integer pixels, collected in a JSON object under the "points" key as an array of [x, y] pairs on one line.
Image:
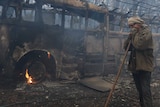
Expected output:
{"points": [[36, 70], [37, 64]]}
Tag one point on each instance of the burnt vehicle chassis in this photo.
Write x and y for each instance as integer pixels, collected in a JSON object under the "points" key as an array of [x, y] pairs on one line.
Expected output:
{"points": [[44, 50]]}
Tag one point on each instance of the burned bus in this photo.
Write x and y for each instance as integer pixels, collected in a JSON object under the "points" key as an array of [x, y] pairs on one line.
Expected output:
{"points": [[47, 39]]}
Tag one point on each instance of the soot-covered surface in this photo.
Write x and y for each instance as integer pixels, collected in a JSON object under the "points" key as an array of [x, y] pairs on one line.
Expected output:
{"points": [[72, 94]]}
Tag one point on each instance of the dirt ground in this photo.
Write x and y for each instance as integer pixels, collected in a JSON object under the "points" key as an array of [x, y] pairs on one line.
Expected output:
{"points": [[73, 94]]}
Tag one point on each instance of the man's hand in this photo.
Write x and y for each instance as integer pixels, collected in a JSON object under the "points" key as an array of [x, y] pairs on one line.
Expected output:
{"points": [[133, 31]]}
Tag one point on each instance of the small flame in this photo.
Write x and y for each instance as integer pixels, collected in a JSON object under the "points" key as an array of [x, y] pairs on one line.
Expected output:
{"points": [[29, 78], [49, 55]]}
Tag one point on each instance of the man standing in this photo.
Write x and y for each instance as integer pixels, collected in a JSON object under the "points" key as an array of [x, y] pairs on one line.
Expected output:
{"points": [[141, 58]]}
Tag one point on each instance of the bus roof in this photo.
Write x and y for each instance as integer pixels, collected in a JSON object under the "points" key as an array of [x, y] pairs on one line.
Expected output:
{"points": [[80, 8]]}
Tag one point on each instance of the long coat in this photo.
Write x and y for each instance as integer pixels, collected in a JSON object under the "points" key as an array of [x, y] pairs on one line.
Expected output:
{"points": [[141, 56]]}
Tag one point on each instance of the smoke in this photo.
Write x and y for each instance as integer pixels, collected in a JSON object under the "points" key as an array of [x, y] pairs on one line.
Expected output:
{"points": [[4, 43]]}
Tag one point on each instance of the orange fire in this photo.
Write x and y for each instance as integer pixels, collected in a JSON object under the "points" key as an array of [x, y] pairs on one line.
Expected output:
{"points": [[29, 78], [49, 55]]}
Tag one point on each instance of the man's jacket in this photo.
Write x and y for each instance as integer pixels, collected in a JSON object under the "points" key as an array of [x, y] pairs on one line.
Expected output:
{"points": [[141, 56]]}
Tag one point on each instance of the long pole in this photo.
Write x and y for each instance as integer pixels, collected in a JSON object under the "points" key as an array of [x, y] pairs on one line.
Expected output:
{"points": [[117, 76]]}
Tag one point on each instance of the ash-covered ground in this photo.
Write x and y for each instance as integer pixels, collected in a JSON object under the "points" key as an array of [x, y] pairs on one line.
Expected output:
{"points": [[73, 94]]}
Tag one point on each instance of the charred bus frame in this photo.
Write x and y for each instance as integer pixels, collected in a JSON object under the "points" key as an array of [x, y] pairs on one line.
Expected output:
{"points": [[44, 46]]}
